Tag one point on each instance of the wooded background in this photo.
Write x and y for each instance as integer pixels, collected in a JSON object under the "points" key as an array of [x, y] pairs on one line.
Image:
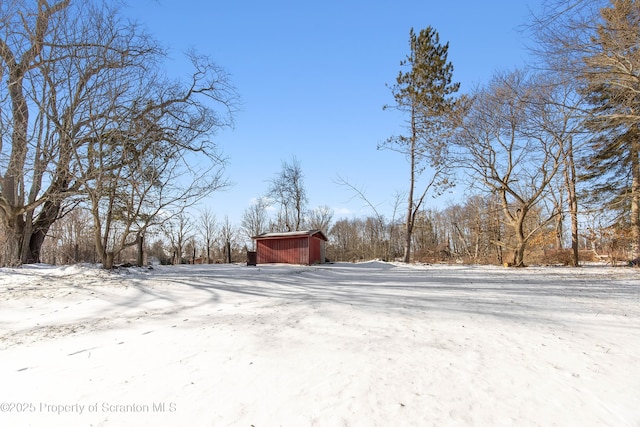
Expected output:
{"points": [[97, 147]]}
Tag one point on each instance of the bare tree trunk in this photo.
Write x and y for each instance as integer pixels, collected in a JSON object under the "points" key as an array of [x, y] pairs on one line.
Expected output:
{"points": [[107, 260], [572, 200], [140, 257], [559, 229], [635, 200], [47, 216], [499, 249], [575, 249], [12, 249], [412, 183], [12, 202], [518, 253]]}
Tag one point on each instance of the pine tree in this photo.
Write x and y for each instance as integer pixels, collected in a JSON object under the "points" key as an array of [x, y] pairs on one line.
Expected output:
{"points": [[425, 95], [612, 85]]}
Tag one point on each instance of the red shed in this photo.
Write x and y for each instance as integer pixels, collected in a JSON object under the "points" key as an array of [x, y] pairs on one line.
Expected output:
{"points": [[296, 247]]}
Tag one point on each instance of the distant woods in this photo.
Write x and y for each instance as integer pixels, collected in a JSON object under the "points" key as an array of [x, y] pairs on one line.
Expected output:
{"points": [[471, 232]]}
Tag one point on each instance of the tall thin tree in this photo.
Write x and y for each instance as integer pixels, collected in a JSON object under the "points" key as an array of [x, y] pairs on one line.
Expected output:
{"points": [[208, 227], [424, 94]]}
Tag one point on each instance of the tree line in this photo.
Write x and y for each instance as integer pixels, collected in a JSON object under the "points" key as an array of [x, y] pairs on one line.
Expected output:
{"points": [[97, 148], [459, 233]]}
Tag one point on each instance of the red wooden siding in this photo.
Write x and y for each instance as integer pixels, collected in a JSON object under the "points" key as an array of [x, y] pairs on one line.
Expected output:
{"points": [[291, 248], [316, 252], [288, 251]]}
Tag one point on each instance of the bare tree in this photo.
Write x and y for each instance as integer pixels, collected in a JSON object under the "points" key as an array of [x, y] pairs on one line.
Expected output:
{"points": [[30, 148], [208, 229], [138, 165], [390, 229], [179, 231], [504, 149], [70, 239], [426, 241], [228, 235], [191, 249], [360, 239], [96, 83], [320, 218], [255, 219], [562, 119], [288, 192], [344, 241]]}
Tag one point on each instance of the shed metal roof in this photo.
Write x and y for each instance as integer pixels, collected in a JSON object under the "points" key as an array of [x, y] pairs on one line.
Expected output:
{"points": [[290, 234]]}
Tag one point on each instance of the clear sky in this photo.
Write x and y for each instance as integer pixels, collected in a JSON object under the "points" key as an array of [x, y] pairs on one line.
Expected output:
{"points": [[312, 76]]}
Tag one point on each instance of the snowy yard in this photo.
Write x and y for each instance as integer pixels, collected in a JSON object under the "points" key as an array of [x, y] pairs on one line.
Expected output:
{"points": [[370, 344]]}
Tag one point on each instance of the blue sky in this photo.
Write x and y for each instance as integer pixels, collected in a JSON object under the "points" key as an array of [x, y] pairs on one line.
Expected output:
{"points": [[312, 77]]}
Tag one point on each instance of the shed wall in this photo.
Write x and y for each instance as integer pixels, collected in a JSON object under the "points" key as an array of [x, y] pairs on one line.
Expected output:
{"points": [[289, 251], [316, 250]]}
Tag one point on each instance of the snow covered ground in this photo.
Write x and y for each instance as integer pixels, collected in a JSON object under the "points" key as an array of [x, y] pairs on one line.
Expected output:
{"points": [[370, 344]]}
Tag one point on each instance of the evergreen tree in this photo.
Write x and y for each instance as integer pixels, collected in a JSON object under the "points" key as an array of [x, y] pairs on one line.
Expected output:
{"points": [[612, 86], [425, 95]]}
